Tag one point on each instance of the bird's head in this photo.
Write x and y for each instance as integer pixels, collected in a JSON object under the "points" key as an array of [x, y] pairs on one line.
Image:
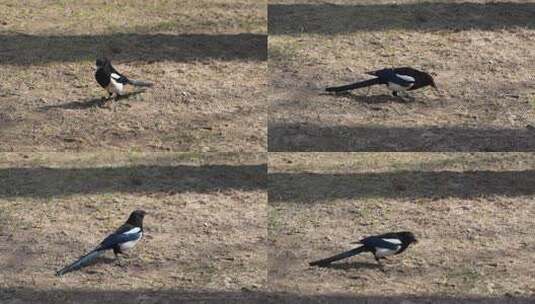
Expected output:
{"points": [[407, 237], [430, 81], [101, 62], [136, 218]]}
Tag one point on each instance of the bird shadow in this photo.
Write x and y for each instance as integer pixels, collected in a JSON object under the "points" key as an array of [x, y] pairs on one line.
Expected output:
{"points": [[353, 265], [101, 260], [371, 99], [378, 99], [89, 103]]}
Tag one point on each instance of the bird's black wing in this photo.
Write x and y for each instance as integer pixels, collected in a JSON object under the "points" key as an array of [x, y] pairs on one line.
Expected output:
{"points": [[419, 77], [407, 71], [124, 228], [389, 235], [403, 80], [123, 234], [391, 76], [120, 78], [380, 242]]}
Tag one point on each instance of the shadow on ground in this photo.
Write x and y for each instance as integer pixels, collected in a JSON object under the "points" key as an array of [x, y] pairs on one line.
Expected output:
{"points": [[353, 266], [316, 138], [315, 187], [49, 182], [317, 18], [21, 49], [28, 295], [89, 103]]}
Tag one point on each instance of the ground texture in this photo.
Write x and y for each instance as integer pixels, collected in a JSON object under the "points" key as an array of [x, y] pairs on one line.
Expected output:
{"points": [[472, 213], [205, 231], [207, 58], [481, 54]]}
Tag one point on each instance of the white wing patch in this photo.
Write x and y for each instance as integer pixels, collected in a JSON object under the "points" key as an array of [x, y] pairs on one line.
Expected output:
{"points": [[393, 241], [133, 230], [130, 244], [382, 252], [406, 78], [116, 76]]}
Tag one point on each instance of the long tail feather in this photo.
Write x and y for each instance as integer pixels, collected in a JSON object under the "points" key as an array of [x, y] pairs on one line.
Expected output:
{"points": [[356, 85], [343, 255], [81, 262], [140, 83]]}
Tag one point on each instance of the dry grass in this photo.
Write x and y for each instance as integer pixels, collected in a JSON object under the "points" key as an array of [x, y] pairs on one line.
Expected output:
{"points": [[473, 215], [208, 60], [481, 56], [205, 230]]}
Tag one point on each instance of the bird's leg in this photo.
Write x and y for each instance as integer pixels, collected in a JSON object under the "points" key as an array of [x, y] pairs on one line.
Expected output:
{"points": [[378, 259], [117, 257], [403, 95], [381, 265], [105, 100]]}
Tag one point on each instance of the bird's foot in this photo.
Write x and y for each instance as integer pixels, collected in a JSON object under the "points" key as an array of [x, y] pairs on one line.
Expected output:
{"points": [[104, 102], [120, 263]]}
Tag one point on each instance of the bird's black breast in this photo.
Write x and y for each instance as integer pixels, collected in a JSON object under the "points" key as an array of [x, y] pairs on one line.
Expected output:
{"points": [[102, 78]]}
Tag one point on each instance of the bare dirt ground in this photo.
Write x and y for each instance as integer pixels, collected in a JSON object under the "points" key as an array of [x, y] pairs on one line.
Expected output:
{"points": [[207, 58], [472, 213], [481, 54], [205, 231]]}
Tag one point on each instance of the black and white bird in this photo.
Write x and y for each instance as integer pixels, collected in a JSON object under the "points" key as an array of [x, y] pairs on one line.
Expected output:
{"points": [[112, 81], [380, 245], [399, 80], [121, 240]]}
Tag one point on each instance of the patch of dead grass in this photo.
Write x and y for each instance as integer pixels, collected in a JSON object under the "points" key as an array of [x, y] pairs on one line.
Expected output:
{"points": [[475, 244], [196, 53], [483, 73], [200, 230]]}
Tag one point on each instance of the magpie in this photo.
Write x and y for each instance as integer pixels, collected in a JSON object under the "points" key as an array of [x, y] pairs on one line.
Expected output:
{"points": [[380, 245], [124, 238], [113, 81], [399, 80]]}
